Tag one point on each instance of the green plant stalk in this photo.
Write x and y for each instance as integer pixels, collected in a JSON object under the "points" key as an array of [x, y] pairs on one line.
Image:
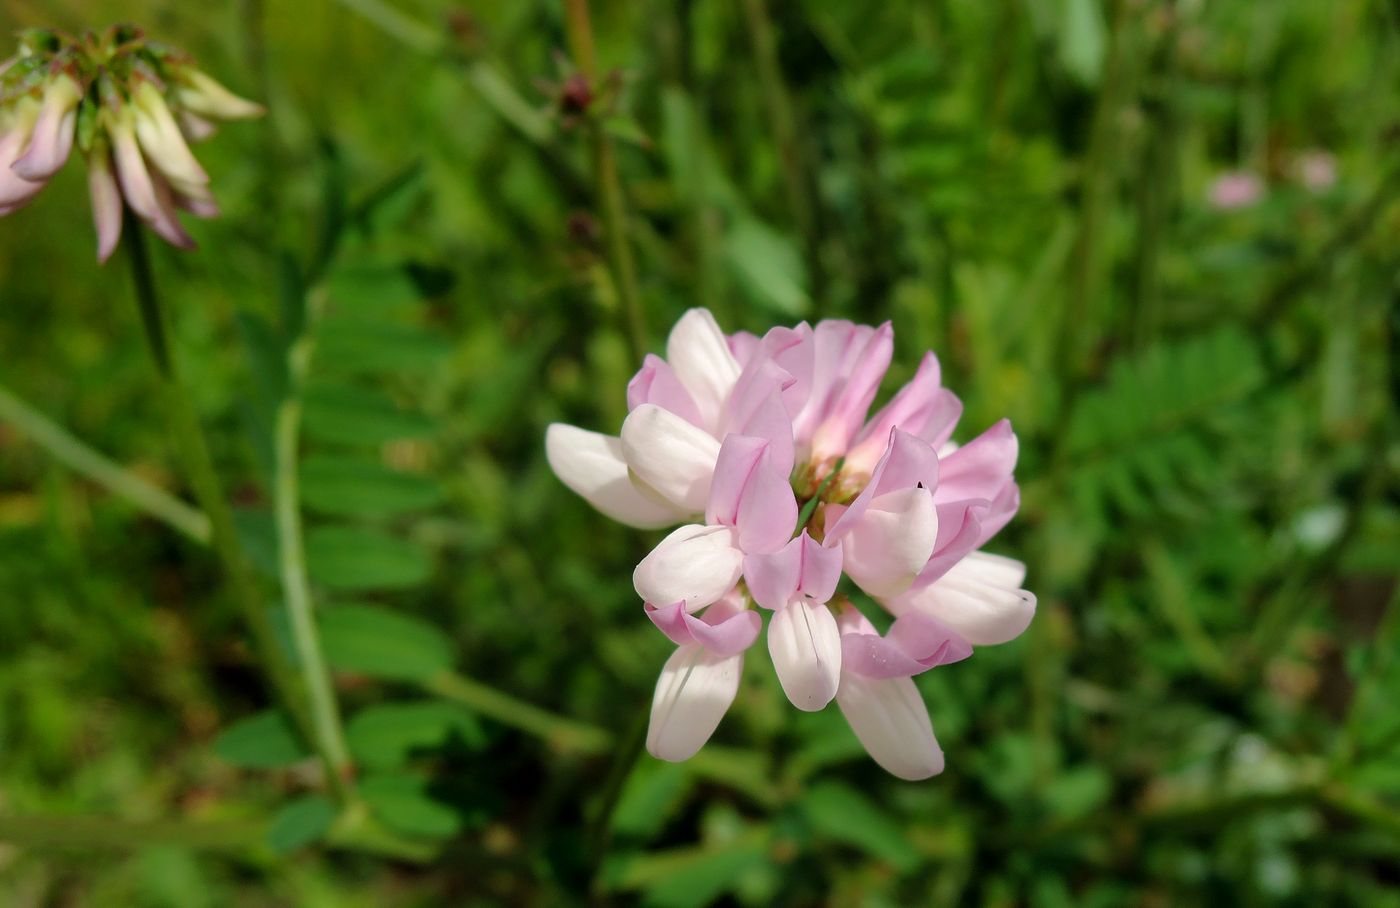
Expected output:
{"points": [[608, 186], [565, 734], [783, 120], [68, 449], [1096, 178], [86, 833], [327, 728], [189, 437]]}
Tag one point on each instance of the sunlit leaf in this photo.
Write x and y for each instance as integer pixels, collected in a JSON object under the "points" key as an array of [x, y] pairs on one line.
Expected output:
{"points": [[380, 642], [385, 735], [361, 558]]}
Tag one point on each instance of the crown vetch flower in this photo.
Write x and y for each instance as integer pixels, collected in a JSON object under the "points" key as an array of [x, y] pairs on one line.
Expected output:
{"points": [[131, 106], [762, 450]]}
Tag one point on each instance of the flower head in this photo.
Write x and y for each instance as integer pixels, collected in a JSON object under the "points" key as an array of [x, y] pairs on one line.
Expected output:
{"points": [[764, 451], [131, 107]]}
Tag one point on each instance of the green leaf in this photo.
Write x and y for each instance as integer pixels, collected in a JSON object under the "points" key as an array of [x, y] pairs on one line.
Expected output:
{"points": [[383, 643], [1077, 792], [361, 558], [359, 416], [402, 803], [299, 823], [1082, 40], [841, 813], [384, 736], [359, 346], [360, 488], [694, 877], [653, 792], [768, 266], [373, 286], [264, 740]]}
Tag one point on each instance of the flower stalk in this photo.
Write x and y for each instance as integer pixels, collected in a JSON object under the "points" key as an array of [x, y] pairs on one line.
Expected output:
{"points": [[327, 731], [208, 490], [608, 185]]}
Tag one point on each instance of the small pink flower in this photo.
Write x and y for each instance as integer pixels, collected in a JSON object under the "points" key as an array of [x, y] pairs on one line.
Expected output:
{"points": [[762, 449], [1235, 190], [1316, 170], [132, 121]]}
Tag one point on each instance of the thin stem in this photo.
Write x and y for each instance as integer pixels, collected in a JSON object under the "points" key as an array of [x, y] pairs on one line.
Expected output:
{"points": [[1097, 178], [609, 185], [782, 118], [86, 833], [70, 450], [329, 736], [565, 734], [189, 437]]}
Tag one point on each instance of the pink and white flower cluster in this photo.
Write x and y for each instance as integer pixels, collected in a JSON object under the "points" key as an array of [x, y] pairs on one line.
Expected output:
{"points": [[131, 106], [762, 452]]}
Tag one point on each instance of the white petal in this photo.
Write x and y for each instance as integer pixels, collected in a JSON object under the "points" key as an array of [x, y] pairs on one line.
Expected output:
{"points": [[591, 464], [670, 455], [693, 693], [979, 598], [890, 719], [700, 357], [696, 563], [892, 541], [806, 649]]}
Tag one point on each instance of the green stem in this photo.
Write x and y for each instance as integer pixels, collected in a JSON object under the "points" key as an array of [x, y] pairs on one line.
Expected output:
{"points": [[782, 118], [1096, 178], [329, 736], [564, 734], [86, 833], [609, 185], [70, 450], [189, 437]]}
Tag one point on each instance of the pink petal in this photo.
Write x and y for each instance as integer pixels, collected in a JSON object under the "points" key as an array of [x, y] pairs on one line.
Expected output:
{"points": [[980, 468], [803, 567], [891, 721], [670, 455], [755, 407], [848, 407], [699, 353], [892, 542], [52, 139], [921, 408], [656, 383], [832, 350], [592, 465], [106, 202], [908, 462], [915, 643], [166, 223], [161, 140], [979, 597], [723, 628], [695, 564], [694, 692], [767, 510], [805, 646]]}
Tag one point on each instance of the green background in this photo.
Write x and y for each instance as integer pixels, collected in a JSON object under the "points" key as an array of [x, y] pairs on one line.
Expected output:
{"points": [[1203, 709]]}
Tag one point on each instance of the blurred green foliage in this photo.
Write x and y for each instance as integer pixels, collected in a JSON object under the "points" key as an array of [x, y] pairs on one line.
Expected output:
{"points": [[1202, 711]]}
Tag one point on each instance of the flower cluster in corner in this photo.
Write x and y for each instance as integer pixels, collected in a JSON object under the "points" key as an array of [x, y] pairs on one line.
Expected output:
{"points": [[761, 450], [131, 107]]}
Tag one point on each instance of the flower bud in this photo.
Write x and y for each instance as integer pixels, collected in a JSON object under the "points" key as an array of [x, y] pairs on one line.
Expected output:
{"points": [[207, 98], [52, 139], [161, 140]]}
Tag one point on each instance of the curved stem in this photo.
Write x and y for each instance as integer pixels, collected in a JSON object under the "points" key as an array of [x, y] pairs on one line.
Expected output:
{"points": [[71, 450], [563, 733], [189, 437], [328, 734], [609, 185]]}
